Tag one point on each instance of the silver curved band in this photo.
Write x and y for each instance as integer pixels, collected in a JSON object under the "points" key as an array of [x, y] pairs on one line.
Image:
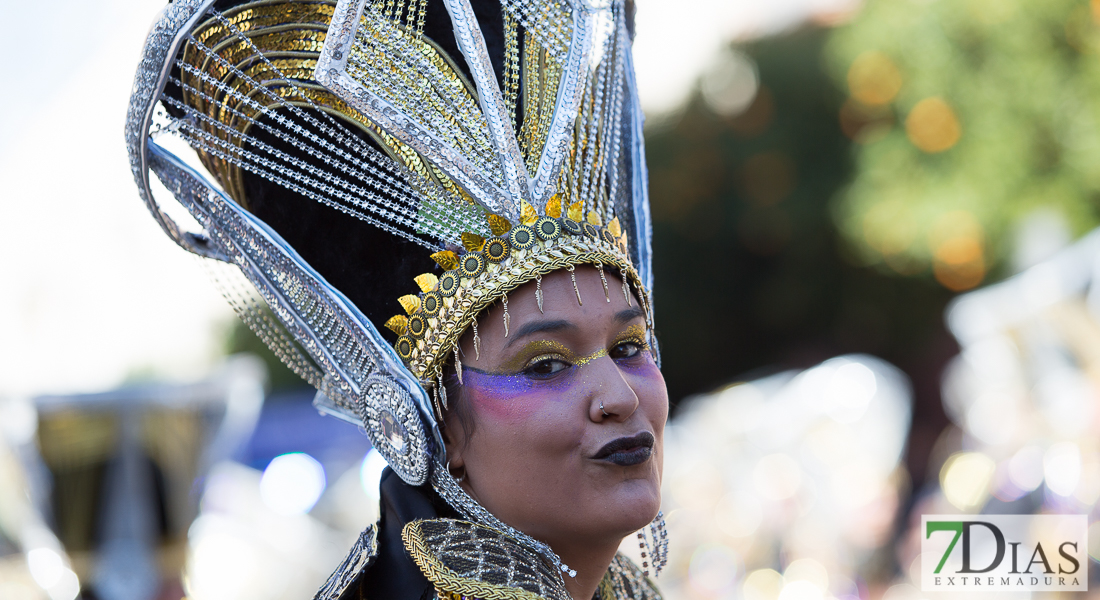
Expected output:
{"points": [[602, 410]]}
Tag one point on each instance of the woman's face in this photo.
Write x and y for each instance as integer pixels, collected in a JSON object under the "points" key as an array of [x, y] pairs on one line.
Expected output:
{"points": [[542, 456]]}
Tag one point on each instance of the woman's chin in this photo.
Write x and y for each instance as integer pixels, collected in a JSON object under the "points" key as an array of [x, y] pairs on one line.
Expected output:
{"points": [[635, 503]]}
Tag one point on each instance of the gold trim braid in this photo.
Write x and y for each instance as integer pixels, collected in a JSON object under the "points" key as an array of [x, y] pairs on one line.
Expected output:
{"points": [[462, 310], [448, 584], [458, 556]]}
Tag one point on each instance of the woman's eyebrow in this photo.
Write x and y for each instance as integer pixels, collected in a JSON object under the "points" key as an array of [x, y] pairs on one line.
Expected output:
{"points": [[628, 315], [539, 327]]}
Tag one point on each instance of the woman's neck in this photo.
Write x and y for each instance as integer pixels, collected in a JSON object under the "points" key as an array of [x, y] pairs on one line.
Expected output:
{"points": [[591, 562]]}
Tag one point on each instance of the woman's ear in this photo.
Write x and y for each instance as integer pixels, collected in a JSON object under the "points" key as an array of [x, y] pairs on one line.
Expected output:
{"points": [[455, 436], [455, 439]]}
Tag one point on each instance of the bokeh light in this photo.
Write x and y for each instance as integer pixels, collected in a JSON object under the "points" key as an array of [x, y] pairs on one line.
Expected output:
{"points": [[45, 566], [956, 239], [807, 569], [985, 91], [370, 473], [888, 227], [762, 584], [849, 391], [714, 570], [874, 79], [18, 420], [777, 476], [801, 590], [52, 574], [730, 84], [1025, 469], [241, 548], [799, 472], [965, 479], [959, 265], [993, 419], [902, 591], [932, 125], [222, 565], [1062, 468], [292, 483], [865, 124], [1094, 541], [738, 514]]}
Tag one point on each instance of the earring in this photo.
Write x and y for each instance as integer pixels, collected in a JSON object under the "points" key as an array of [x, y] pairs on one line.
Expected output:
{"points": [[477, 341], [538, 291], [458, 479], [654, 546], [576, 290], [599, 267]]}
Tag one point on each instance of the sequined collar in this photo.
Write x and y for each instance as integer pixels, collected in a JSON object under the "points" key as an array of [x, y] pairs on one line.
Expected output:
{"points": [[470, 561]]}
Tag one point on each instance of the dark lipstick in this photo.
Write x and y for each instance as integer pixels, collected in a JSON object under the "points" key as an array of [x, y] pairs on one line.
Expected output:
{"points": [[627, 451]]}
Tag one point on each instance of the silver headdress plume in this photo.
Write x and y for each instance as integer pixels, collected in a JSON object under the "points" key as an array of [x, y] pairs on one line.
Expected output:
{"points": [[349, 104]]}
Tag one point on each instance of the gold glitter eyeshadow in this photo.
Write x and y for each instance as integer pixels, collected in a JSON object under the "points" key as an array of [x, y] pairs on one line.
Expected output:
{"points": [[584, 360], [538, 350], [635, 332], [522, 358]]}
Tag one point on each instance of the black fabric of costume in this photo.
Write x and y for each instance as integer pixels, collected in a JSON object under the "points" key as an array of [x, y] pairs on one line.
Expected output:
{"points": [[392, 575]]}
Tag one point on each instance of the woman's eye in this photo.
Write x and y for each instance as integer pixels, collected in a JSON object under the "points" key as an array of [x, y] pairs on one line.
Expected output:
{"points": [[625, 350], [547, 366]]}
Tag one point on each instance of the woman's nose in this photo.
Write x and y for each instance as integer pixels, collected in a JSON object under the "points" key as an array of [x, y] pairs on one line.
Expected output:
{"points": [[612, 396]]}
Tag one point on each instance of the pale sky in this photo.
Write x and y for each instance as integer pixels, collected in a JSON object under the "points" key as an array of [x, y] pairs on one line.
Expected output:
{"points": [[92, 291]]}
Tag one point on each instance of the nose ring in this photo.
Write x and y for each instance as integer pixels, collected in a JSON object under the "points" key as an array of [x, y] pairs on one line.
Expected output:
{"points": [[602, 410]]}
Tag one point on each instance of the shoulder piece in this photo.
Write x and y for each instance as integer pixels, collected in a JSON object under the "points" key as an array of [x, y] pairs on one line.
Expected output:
{"points": [[360, 556], [466, 560], [625, 581]]}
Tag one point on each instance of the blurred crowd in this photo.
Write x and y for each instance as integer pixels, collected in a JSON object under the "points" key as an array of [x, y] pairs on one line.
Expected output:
{"points": [[790, 486]]}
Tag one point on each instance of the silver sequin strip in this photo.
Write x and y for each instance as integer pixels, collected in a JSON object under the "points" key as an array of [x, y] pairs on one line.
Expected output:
{"points": [[332, 72], [341, 342], [549, 22], [501, 129], [254, 312], [163, 40]]}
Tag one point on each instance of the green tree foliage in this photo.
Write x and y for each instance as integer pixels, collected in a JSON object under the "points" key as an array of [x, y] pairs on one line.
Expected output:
{"points": [[750, 270], [969, 115]]}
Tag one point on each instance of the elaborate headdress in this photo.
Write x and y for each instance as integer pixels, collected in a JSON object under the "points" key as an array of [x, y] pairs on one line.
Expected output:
{"points": [[503, 141]]}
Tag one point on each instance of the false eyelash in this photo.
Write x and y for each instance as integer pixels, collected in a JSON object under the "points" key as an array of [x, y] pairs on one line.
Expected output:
{"points": [[641, 343], [536, 360]]}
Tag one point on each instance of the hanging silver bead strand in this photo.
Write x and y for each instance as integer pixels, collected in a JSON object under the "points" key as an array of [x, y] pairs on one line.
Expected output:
{"points": [[654, 546]]}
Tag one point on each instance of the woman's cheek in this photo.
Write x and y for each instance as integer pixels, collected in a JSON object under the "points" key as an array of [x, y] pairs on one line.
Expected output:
{"points": [[645, 368], [512, 398], [649, 384]]}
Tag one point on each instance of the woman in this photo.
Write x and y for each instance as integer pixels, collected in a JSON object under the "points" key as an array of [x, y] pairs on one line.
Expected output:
{"points": [[556, 429], [485, 156]]}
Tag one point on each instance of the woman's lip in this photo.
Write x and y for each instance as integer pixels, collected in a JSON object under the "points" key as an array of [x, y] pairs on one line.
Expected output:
{"points": [[629, 458], [627, 451]]}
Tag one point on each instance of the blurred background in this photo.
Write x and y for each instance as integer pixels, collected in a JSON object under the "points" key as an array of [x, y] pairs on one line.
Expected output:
{"points": [[874, 289]]}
